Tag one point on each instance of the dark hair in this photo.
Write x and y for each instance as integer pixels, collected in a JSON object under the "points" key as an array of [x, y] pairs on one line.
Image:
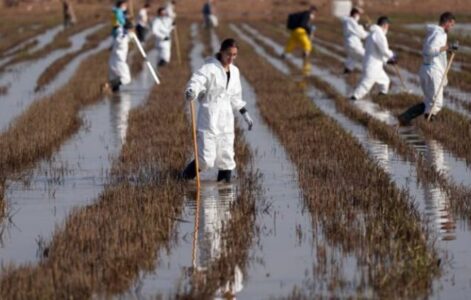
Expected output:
{"points": [[160, 10], [226, 44], [312, 8], [446, 17], [383, 20], [120, 2], [354, 11], [147, 4]]}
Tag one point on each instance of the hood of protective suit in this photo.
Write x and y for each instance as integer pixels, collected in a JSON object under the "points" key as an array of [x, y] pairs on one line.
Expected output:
{"points": [[432, 27]]}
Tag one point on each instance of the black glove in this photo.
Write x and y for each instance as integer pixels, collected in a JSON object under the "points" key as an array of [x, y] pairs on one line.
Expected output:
{"points": [[166, 38], [455, 46], [392, 60]]}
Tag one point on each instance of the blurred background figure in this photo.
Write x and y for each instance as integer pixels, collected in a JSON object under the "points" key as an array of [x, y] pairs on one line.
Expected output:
{"points": [[301, 27], [119, 16], [353, 34], [119, 73], [69, 15], [209, 15], [171, 9], [142, 22], [162, 29], [377, 53]]}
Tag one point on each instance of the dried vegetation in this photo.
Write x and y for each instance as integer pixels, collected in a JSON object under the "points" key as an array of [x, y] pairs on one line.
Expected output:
{"points": [[351, 199]]}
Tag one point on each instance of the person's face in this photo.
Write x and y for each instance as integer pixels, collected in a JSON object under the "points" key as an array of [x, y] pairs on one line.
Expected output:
{"points": [[449, 26], [124, 6], [386, 28], [356, 17], [228, 56], [313, 16]]}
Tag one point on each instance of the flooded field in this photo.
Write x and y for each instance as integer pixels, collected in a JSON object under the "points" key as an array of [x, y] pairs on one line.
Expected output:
{"points": [[330, 198]]}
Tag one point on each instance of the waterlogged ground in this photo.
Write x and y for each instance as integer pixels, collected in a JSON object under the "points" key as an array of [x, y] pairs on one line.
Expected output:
{"points": [[284, 253]]}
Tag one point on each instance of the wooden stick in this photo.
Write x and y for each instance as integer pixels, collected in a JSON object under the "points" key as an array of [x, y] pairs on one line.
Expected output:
{"points": [[442, 83], [195, 143], [177, 45]]}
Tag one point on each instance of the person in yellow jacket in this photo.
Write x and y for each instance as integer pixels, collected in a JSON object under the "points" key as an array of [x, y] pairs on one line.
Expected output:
{"points": [[301, 28]]}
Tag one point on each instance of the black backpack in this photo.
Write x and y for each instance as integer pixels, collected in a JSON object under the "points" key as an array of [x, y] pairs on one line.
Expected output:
{"points": [[296, 20]]}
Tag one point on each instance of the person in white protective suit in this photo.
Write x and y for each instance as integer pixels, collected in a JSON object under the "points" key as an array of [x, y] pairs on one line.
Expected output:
{"points": [[119, 73], [162, 29], [433, 69], [170, 8], [218, 89], [353, 34], [376, 55]]}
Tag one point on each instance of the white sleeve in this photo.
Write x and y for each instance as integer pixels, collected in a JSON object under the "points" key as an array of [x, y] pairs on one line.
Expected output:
{"points": [[198, 81], [160, 30], [432, 48], [236, 98], [382, 45]]}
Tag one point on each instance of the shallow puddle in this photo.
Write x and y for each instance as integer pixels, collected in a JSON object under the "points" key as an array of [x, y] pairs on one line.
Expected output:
{"points": [[41, 40], [279, 260], [452, 232], [22, 79], [74, 177]]}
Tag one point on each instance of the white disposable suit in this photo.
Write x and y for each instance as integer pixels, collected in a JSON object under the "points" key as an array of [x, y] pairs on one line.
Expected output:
{"points": [[217, 98], [353, 34], [376, 55], [162, 29], [434, 67], [118, 68]]}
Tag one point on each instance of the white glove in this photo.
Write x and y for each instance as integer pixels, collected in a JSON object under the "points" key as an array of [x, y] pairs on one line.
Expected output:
{"points": [[190, 95], [248, 119]]}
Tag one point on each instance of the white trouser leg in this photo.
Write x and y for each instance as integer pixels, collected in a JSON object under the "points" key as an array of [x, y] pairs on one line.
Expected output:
{"points": [[430, 83], [383, 81], [225, 152], [207, 147]]}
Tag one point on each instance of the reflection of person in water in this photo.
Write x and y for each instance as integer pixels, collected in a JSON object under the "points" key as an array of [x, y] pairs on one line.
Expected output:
{"points": [[215, 203], [119, 109], [438, 202]]}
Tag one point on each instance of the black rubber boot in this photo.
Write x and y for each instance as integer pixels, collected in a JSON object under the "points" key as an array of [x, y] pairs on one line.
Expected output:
{"points": [[190, 171], [224, 175], [115, 84], [413, 112], [161, 63]]}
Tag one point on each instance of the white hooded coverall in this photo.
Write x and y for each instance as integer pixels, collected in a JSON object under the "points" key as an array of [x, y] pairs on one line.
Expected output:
{"points": [[433, 68], [353, 34], [118, 68], [215, 126], [162, 28], [376, 55]]}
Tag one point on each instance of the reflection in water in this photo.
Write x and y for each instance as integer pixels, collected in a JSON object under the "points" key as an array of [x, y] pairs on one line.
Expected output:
{"points": [[437, 203], [119, 110], [213, 204]]}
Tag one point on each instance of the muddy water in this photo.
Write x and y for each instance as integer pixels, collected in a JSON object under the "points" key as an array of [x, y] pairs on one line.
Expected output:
{"points": [[42, 40], [411, 82], [452, 232], [22, 79], [74, 177], [279, 253], [66, 74], [454, 167]]}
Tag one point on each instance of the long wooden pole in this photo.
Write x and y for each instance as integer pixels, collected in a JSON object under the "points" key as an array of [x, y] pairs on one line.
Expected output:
{"points": [[177, 45], [195, 143], [442, 83]]}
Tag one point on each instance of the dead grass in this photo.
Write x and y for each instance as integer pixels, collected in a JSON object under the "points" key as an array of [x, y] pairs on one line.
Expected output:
{"points": [[353, 200], [102, 248], [397, 103], [17, 25], [56, 67]]}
